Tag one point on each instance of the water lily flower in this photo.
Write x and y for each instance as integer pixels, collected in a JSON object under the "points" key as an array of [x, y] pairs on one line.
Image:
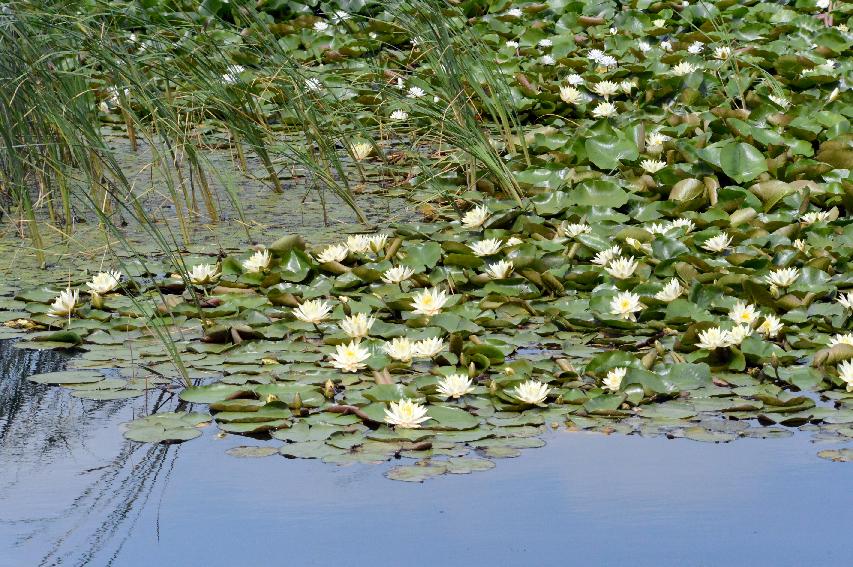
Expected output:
{"points": [[429, 301], [486, 247], [512, 44], [203, 274], [548, 60], [713, 338], [313, 84], [655, 141], [833, 95], [839, 339], [627, 86], [333, 253], [605, 256], [644, 46], [339, 16], [717, 243], [696, 47], [683, 68], [427, 348], [399, 115], [397, 274], [639, 246], [499, 270], [513, 241], [455, 386], [652, 165], [722, 52], [614, 378], [377, 242], [744, 313], [475, 217], [574, 79], [400, 349], [531, 392], [350, 357], [622, 268], [358, 243], [312, 311], [823, 4], [738, 333], [406, 414], [415, 92], [357, 326], [686, 224], [625, 304], [606, 89], [771, 326], [814, 216], [800, 245], [607, 61], [846, 302], [570, 95], [545, 42], [658, 228], [573, 230], [321, 26], [783, 277], [845, 372], [64, 304], [257, 262], [604, 109], [514, 12], [361, 150], [671, 291], [595, 55], [666, 45], [104, 282]]}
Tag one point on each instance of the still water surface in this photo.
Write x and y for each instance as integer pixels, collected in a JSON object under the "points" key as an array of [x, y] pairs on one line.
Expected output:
{"points": [[74, 492]]}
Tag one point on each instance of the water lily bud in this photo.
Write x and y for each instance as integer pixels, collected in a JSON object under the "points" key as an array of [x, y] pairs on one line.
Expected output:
{"points": [[659, 347], [509, 371], [296, 404], [493, 387], [97, 301], [271, 398], [774, 361], [346, 306], [559, 401], [472, 370], [329, 389]]}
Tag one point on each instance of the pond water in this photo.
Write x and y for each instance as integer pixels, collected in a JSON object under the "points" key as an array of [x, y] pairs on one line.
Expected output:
{"points": [[73, 491]]}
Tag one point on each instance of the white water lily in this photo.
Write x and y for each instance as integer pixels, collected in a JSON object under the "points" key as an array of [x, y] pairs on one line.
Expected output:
{"points": [[427, 348], [257, 262], [64, 304], [514, 12], [595, 55], [625, 304], [652, 165], [666, 45], [377, 242], [548, 60], [607, 61], [644, 46], [771, 326], [361, 150], [570, 95], [406, 414], [545, 42], [321, 26], [683, 68], [455, 386], [513, 241], [203, 274], [313, 311], [531, 392], [415, 92], [696, 47], [399, 115], [738, 333], [605, 89], [574, 79], [512, 44], [682, 223], [104, 282], [783, 277], [604, 109], [717, 243], [800, 245], [397, 274], [358, 243], [713, 338], [655, 142], [333, 253], [658, 228], [614, 378], [350, 357], [671, 291], [357, 326], [839, 339], [486, 247], [846, 302], [499, 270], [313, 84], [399, 348], [814, 216], [429, 301], [744, 313], [605, 256], [845, 372], [573, 230], [622, 268], [639, 246], [475, 217], [627, 86], [722, 52]]}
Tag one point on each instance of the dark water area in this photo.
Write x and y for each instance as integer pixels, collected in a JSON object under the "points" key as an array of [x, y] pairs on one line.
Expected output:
{"points": [[73, 491]]}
